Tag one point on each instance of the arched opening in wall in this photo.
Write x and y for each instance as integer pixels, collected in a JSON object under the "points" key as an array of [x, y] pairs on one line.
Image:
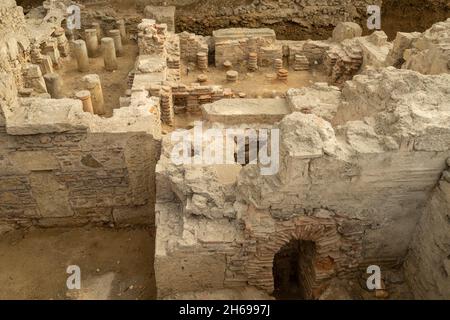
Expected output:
{"points": [[293, 270]]}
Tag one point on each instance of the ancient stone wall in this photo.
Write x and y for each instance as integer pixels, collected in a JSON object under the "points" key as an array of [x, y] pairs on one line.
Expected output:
{"points": [[191, 98], [37, 39], [13, 42], [74, 178], [353, 189], [12, 17], [390, 169], [299, 19], [429, 53], [427, 266], [191, 45], [235, 45], [61, 166]]}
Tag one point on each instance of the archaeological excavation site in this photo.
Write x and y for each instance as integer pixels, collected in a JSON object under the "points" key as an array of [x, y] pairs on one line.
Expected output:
{"points": [[225, 150]]}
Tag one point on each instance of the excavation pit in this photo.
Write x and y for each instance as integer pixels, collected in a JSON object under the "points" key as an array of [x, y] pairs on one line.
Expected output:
{"points": [[353, 125]]}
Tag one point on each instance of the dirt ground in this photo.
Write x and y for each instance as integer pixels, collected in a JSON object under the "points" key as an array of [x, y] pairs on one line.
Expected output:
{"points": [[114, 264]]}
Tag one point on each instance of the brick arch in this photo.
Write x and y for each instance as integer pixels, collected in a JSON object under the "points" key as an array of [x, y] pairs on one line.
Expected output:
{"points": [[323, 232]]}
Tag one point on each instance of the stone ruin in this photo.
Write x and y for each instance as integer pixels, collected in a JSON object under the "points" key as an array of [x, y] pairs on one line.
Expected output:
{"points": [[364, 158]]}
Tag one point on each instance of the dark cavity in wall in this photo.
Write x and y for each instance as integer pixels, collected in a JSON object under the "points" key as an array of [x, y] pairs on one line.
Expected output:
{"points": [[293, 271]]}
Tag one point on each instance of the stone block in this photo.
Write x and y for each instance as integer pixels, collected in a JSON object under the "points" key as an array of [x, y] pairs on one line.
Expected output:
{"points": [[346, 30]]}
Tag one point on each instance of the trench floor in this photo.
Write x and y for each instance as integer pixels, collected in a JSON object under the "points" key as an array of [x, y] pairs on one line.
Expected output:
{"points": [[114, 264]]}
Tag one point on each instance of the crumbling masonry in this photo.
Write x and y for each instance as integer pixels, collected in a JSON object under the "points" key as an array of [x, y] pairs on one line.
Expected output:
{"points": [[364, 158]]}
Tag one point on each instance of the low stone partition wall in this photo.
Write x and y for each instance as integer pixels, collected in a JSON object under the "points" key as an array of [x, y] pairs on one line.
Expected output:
{"points": [[237, 111]]}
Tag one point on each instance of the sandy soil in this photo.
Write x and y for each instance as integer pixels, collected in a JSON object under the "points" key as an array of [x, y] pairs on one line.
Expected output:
{"points": [[115, 264]]}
